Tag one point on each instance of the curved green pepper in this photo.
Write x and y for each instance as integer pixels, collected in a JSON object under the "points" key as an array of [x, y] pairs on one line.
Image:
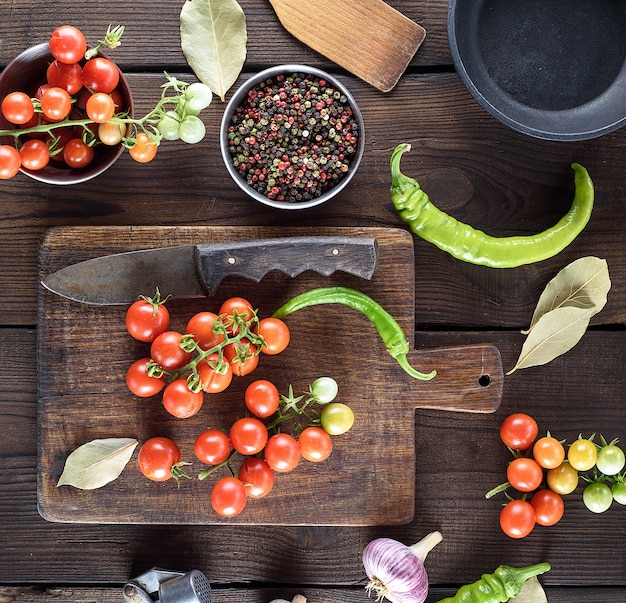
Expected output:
{"points": [[389, 330], [474, 246], [499, 587]]}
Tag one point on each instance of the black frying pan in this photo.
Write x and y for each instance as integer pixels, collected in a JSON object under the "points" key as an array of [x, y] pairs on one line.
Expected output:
{"points": [[552, 69]]}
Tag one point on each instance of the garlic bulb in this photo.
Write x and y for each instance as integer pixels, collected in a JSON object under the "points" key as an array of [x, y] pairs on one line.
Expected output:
{"points": [[396, 571]]}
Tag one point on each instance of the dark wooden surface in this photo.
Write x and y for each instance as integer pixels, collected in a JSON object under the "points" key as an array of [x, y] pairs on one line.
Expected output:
{"points": [[472, 166]]}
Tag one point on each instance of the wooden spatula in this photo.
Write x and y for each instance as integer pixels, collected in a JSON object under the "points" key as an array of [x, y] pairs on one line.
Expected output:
{"points": [[369, 38]]}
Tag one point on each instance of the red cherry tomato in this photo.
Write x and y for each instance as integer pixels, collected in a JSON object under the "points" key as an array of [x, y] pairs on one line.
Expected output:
{"points": [[17, 108], [10, 161], [56, 103], [140, 383], [262, 398], [145, 319], [235, 308], [548, 506], [34, 154], [282, 453], [77, 154], [524, 474], [248, 435], [257, 476], [200, 325], [158, 457], [518, 431], [68, 76], [68, 44], [212, 446], [100, 107], [100, 75], [145, 148], [517, 519], [276, 335], [315, 444], [242, 356], [213, 382], [180, 401], [228, 497], [166, 351]]}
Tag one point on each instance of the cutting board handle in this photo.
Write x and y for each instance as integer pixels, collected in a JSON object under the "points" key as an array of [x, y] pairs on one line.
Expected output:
{"points": [[469, 378]]}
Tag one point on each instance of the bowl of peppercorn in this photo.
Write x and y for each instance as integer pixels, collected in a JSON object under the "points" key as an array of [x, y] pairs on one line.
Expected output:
{"points": [[292, 137]]}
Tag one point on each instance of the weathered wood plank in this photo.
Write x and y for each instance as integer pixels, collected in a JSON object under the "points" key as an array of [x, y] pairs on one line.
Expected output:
{"points": [[65, 594], [460, 458], [152, 35], [472, 167]]}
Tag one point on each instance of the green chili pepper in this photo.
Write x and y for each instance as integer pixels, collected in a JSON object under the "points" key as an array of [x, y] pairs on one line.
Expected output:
{"points": [[474, 246], [499, 587], [389, 330]]}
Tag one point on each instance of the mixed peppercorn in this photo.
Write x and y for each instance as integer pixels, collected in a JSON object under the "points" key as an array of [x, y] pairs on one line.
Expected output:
{"points": [[294, 137]]}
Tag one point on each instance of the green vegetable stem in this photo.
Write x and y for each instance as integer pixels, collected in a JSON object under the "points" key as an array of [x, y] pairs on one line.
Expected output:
{"points": [[474, 246], [389, 330], [499, 587]]}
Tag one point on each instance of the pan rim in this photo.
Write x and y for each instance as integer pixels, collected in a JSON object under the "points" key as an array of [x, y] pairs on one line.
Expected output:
{"points": [[589, 119]]}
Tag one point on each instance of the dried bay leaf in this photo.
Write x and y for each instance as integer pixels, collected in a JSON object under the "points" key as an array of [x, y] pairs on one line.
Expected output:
{"points": [[213, 38], [97, 463], [584, 283], [532, 592], [564, 310], [555, 333]]}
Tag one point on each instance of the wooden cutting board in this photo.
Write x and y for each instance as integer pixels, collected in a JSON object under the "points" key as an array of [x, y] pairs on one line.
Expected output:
{"points": [[84, 352], [369, 38]]}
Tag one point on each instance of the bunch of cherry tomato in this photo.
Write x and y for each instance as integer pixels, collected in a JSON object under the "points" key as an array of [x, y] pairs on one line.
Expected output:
{"points": [[78, 108], [214, 347], [546, 469]]}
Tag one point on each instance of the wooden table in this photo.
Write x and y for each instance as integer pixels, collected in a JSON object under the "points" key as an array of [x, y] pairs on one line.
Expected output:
{"points": [[475, 168]]}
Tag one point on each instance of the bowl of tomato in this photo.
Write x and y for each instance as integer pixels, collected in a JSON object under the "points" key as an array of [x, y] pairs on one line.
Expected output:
{"points": [[61, 104]]}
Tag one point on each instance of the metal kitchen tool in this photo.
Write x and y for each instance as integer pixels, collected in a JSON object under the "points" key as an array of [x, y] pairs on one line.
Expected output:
{"points": [[168, 587], [369, 38], [188, 271]]}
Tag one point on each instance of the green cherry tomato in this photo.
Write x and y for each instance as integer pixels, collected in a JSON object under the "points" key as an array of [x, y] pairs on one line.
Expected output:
{"points": [[611, 459], [199, 96], [168, 125], [619, 492], [191, 129], [336, 418], [582, 454], [324, 390], [597, 497]]}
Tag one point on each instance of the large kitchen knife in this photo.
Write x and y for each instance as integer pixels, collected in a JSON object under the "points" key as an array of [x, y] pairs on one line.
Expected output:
{"points": [[197, 270]]}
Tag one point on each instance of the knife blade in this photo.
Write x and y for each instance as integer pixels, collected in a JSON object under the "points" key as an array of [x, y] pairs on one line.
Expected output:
{"points": [[187, 271]]}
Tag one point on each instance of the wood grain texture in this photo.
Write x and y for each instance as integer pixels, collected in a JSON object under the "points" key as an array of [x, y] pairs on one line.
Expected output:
{"points": [[378, 48], [471, 166], [74, 366], [241, 595], [31, 22], [459, 459]]}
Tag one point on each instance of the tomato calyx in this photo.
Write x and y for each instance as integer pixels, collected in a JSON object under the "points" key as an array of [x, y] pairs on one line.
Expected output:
{"points": [[236, 332], [178, 473], [112, 39]]}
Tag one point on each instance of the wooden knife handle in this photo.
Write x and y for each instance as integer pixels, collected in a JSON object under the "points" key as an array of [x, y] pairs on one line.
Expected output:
{"points": [[356, 255]]}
